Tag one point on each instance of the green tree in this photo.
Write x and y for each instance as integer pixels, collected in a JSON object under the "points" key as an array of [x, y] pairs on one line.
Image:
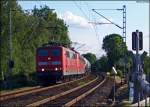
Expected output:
{"points": [[114, 47], [144, 54], [102, 64], [146, 62], [6, 5], [147, 65], [129, 61], [126, 61], [29, 31], [90, 57]]}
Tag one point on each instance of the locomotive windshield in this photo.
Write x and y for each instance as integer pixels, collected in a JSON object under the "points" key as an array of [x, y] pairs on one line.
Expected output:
{"points": [[43, 53], [55, 52]]}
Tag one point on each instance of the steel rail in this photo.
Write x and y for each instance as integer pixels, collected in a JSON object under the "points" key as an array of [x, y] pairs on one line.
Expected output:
{"points": [[38, 103], [75, 100], [2, 98], [18, 91]]}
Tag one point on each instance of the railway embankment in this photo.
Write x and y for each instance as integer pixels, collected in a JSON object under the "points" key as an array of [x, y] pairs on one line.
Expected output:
{"points": [[99, 96], [103, 96], [25, 98]]}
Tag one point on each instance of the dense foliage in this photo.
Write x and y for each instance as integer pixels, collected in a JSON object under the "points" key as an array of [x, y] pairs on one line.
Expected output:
{"points": [[120, 57], [114, 47], [101, 65], [30, 29], [117, 55], [90, 57], [146, 63]]}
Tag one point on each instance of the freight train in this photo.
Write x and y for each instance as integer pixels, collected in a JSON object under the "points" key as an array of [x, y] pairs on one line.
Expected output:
{"points": [[54, 63]]}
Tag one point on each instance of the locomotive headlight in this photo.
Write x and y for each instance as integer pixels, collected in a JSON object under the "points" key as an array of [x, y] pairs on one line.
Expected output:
{"points": [[42, 69], [56, 69], [49, 58]]}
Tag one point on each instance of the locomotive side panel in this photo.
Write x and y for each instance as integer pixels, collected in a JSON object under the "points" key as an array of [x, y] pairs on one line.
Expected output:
{"points": [[82, 65], [70, 62]]}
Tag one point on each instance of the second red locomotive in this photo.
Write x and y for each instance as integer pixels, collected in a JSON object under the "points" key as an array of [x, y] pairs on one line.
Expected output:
{"points": [[55, 62]]}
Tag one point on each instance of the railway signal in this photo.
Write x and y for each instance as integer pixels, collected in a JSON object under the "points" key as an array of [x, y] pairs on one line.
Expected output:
{"points": [[137, 44], [134, 41]]}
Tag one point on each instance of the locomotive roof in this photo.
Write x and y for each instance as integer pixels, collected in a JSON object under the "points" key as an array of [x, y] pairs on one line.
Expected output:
{"points": [[61, 47]]}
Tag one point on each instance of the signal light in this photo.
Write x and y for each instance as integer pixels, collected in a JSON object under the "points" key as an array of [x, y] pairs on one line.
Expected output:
{"points": [[134, 40]]}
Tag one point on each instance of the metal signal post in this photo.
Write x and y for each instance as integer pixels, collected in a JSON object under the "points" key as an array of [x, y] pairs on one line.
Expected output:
{"points": [[137, 61], [140, 84], [137, 74]]}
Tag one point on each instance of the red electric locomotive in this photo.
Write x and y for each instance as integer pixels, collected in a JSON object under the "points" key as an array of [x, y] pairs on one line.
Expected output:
{"points": [[55, 62]]}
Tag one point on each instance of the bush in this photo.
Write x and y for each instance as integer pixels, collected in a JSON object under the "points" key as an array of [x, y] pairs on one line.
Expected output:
{"points": [[119, 73], [19, 80]]}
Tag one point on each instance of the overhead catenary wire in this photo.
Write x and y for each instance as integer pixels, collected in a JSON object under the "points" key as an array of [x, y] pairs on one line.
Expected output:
{"points": [[81, 10], [95, 30], [88, 19], [94, 26], [88, 8], [82, 13], [107, 19]]}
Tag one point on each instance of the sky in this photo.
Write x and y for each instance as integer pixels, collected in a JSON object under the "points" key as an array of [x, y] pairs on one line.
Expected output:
{"points": [[79, 17]]}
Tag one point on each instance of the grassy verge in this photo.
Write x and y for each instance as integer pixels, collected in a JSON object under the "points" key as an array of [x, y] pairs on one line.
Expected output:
{"points": [[18, 81]]}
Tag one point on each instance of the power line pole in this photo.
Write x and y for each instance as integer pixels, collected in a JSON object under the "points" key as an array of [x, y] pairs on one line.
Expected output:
{"points": [[123, 28], [10, 34], [10, 61], [2, 73], [124, 36], [124, 22]]}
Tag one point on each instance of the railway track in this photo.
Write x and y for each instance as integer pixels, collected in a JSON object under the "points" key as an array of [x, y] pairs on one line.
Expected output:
{"points": [[24, 98], [99, 97], [72, 96], [16, 93]]}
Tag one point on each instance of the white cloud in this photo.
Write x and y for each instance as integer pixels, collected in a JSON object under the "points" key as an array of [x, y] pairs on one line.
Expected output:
{"points": [[75, 21]]}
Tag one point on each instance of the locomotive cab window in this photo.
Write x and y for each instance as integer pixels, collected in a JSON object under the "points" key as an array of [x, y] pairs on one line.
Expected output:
{"points": [[67, 54], [74, 56], [70, 55], [43, 52], [55, 52]]}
